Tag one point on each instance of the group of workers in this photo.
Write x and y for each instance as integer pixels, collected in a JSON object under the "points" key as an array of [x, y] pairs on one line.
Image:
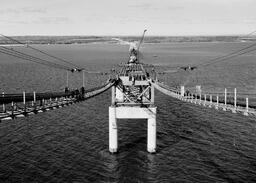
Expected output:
{"points": [[79, 94]]}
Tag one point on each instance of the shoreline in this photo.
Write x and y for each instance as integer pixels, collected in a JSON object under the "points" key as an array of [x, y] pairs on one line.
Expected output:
{"points": [[112, 43], [52, 40]]}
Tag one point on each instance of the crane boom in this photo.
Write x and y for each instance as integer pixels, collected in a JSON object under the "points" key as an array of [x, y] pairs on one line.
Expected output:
{"points": [[141, 40]]}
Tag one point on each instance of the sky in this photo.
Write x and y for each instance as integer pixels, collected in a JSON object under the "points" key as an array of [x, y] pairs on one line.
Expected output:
{"points": [[127, 17]]}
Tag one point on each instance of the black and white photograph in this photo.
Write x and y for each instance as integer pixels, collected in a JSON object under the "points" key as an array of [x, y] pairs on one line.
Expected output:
{"points": [[127, 91]]}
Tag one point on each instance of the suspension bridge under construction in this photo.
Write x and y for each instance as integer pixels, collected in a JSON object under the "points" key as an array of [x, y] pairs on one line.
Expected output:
{"points": [[132, 97]]}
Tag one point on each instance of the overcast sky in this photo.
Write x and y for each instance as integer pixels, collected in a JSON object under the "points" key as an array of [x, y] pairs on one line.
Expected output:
{"points": [[127, 17]]}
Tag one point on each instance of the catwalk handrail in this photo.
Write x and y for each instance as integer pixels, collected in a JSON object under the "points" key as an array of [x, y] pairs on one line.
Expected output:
{"points": [[172, 89], [240, 101], [18, 97], [165, 89]]}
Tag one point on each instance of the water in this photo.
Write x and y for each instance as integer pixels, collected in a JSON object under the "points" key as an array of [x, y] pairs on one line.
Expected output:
{"points": [[70, 144]]}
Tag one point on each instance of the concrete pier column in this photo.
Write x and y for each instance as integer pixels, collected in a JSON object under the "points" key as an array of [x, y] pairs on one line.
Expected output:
{"points": [[151, 145], [182, 91], [204, 99], [113, 138]]}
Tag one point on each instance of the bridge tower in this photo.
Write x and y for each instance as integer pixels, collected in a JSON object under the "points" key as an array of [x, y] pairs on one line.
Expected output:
{"points": [[132, 98]]}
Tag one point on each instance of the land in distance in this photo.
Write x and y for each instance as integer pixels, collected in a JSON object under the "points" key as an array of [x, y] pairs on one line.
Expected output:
{"points": [[109, 39]]}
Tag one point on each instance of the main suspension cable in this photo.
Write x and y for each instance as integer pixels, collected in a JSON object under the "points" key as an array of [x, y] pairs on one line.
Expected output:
{"points": [[31, 58], [45, 53], [225, 57]]}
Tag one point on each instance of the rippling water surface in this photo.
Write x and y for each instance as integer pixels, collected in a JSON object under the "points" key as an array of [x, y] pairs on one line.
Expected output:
{"points": [[70, 144]]}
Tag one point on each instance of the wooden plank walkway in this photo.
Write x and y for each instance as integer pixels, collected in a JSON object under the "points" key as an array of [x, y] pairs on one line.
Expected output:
{"points": [[17, 112]]}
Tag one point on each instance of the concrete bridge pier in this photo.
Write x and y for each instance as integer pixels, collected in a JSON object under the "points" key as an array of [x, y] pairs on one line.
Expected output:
{"points": [[113, 136], [151, 140], [126, 112]]}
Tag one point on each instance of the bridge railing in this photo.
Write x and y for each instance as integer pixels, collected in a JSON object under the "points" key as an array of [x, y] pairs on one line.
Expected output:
{"points": [[234, 101], [172, 89], [20, 105], [98, 90], [20, 97], [240, 100]]}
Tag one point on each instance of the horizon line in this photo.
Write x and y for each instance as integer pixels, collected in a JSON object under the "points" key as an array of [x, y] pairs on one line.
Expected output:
{"points": [[102, 35]]}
